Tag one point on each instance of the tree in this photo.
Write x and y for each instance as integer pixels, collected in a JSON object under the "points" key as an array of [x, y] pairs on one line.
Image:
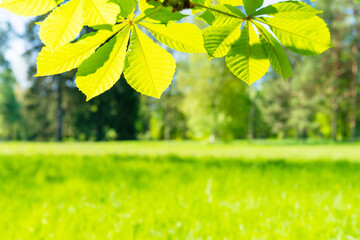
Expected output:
{"points": [[10, 112], [44, 99], [275, 106], [354, 74], [54, 109], [112, 116], [319, 99], [343, 60], [214, 103]]}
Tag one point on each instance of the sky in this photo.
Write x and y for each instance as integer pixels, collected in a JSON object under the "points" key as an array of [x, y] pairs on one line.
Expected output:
{"points": [[18, 46]]}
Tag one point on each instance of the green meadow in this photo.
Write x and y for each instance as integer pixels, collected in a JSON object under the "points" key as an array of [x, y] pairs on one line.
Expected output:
{"points": [[179, 190]]}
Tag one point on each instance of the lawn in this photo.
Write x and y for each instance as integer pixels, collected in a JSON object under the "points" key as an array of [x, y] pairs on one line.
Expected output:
{"points": [[179, 190]]}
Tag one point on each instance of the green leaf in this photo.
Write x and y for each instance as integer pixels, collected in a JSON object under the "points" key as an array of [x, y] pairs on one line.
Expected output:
{"points": [[63, 24], [103, 27], [164, 15], [232, 2], [127, 7], [303, 36], [233, 15], [71, 55], [196, 9], [252, 5], [183, 37], [28, 8], [207, 17], [100, 12], [276, 53], [289, 9], [143, 5], [247, 59], [150, 68], [219, 39], [93, 84], [203, 2]]}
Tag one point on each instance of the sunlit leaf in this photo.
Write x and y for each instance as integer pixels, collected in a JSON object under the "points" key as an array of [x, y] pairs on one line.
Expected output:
{"points": [[106, 75], [289, 9], [184, 37], [247, 59], [63, 24], [276, 53], [28, 7], [233, 15], [252, 5], [127, 7], [164, 15], [98, 12], [71, 55], [232, 2], [303, 36], [150, 68], [219, 39]]}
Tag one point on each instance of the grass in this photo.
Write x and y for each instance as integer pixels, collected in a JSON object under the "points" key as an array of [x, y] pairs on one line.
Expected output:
{"points": [[179, 190]]}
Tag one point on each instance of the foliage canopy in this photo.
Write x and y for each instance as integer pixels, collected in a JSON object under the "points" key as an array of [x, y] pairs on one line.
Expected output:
{"points": [[250, 37]]}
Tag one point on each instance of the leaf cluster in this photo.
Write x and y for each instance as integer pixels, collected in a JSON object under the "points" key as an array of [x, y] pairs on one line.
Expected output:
{"points": [[250, 37]]}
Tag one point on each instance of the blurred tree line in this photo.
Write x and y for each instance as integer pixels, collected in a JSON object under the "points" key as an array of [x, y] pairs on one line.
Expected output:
{"points": [[205, 100]]}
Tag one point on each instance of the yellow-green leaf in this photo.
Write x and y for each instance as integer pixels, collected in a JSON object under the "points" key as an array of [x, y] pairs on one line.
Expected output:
{"points": [[150, 68], [251, 5], [28, 8], [207, 3], [303, 36], [127, 7], [99, 12], [232, 2], [219, 39], [143, 5], [233, 15], [247, 58], [106, 76], [276, 53], [71, 55], [292, 10], [63, 24], [183, 37]]}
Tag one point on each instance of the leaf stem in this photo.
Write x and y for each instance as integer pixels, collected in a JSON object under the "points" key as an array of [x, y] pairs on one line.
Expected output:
{"points": [[216, 10]]}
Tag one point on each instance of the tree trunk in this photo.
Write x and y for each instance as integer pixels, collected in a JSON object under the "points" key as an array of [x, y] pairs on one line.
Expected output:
{"points": [[167, 117], [251, 119], [335, 104], [59, 124], [354, 76], [167, 127], [147, 116], [214, 130]]}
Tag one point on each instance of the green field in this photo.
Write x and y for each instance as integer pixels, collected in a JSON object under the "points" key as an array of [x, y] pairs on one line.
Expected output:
{"points": [[179, 190]]}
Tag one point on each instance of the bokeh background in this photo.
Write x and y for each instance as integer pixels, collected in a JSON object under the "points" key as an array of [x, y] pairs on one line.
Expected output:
{"points": [[212, 159]]}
